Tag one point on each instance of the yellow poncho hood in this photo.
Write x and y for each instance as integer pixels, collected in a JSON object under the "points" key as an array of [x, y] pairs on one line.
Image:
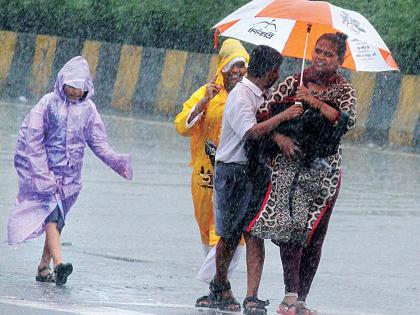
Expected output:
{"points": [[230, 49]]}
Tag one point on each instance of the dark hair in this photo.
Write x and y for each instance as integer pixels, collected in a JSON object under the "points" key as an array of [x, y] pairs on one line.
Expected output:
{"points": [[262, 60], [339, 39]]}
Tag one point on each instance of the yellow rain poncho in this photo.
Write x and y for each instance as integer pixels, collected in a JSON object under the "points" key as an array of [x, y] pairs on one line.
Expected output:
{"points": [[207, 128]]}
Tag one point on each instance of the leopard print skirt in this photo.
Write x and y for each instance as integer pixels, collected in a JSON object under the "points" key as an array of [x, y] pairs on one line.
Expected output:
{"points": [[296, 200]]}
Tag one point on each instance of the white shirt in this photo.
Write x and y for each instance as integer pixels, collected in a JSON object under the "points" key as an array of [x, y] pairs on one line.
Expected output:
{"points": [[238, 117]]}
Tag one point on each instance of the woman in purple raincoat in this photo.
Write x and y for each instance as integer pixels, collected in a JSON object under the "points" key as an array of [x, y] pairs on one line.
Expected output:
{"points": [[49, 159]]}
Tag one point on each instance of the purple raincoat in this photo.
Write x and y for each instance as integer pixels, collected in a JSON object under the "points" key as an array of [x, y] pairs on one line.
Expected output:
{"points": [[50, 149]]}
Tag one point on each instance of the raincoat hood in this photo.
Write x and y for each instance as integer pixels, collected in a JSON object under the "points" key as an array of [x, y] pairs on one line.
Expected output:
{"points": [[231, 48], [75, 73]]}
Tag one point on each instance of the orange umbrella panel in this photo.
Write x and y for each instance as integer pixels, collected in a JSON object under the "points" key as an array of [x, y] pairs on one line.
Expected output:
{"points": [[282, 24]]}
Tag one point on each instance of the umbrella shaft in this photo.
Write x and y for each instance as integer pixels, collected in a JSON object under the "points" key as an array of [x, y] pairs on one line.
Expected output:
{"points": [[308, 30]]}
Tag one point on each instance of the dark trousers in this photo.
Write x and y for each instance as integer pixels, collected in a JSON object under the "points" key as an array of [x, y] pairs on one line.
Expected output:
{"points": [[301, 263]]}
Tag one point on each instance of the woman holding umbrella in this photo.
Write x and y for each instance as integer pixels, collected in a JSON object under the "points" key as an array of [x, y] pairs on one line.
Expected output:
{"points": [[298, 207]]}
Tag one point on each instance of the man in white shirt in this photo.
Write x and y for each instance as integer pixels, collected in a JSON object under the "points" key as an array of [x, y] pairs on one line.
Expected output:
{"points": [[235, 196]]}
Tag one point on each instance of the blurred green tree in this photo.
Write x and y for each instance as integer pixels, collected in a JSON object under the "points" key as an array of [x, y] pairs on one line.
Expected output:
{"points": [[185, 24]]}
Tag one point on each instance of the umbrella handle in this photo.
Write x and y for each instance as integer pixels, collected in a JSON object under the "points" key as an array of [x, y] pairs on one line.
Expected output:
{"points": [[308, 30]]}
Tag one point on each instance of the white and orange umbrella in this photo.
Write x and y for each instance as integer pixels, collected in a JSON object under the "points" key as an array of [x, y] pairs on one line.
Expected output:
{"points": [[293, 26]]}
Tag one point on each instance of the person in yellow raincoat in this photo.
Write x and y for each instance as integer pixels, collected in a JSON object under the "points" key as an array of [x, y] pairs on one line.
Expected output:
{"points": [[201, 120]]}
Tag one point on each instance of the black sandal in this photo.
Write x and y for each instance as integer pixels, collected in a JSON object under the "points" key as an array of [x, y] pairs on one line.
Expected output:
{"points": [[46, 278], [254, 306], [222, 302], [206, 301], [62, 271]]}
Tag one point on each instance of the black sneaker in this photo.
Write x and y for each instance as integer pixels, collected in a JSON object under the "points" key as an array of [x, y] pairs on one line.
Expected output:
{"points": [[62, 271]]}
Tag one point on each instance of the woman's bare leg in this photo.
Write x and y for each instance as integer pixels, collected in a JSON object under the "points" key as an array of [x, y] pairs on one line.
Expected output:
{"points": [[45, 259], [52, 238]]}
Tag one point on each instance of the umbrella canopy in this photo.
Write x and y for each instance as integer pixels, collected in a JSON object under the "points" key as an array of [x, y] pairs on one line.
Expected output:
{"points": [[283, 25]]}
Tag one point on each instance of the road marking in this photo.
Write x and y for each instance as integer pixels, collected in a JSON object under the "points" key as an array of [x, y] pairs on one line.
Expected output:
{"points": [[183, 306], [69, 308]]}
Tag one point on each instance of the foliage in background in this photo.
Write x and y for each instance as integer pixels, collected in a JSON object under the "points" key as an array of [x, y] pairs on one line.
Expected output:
{"points": [[185, 24]]}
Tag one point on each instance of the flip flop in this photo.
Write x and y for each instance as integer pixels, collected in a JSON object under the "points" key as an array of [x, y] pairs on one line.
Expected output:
{"points": [[287, 309]]}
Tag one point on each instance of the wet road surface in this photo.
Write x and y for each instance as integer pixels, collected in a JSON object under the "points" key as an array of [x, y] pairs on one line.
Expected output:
{"points": [[136, 250]]}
